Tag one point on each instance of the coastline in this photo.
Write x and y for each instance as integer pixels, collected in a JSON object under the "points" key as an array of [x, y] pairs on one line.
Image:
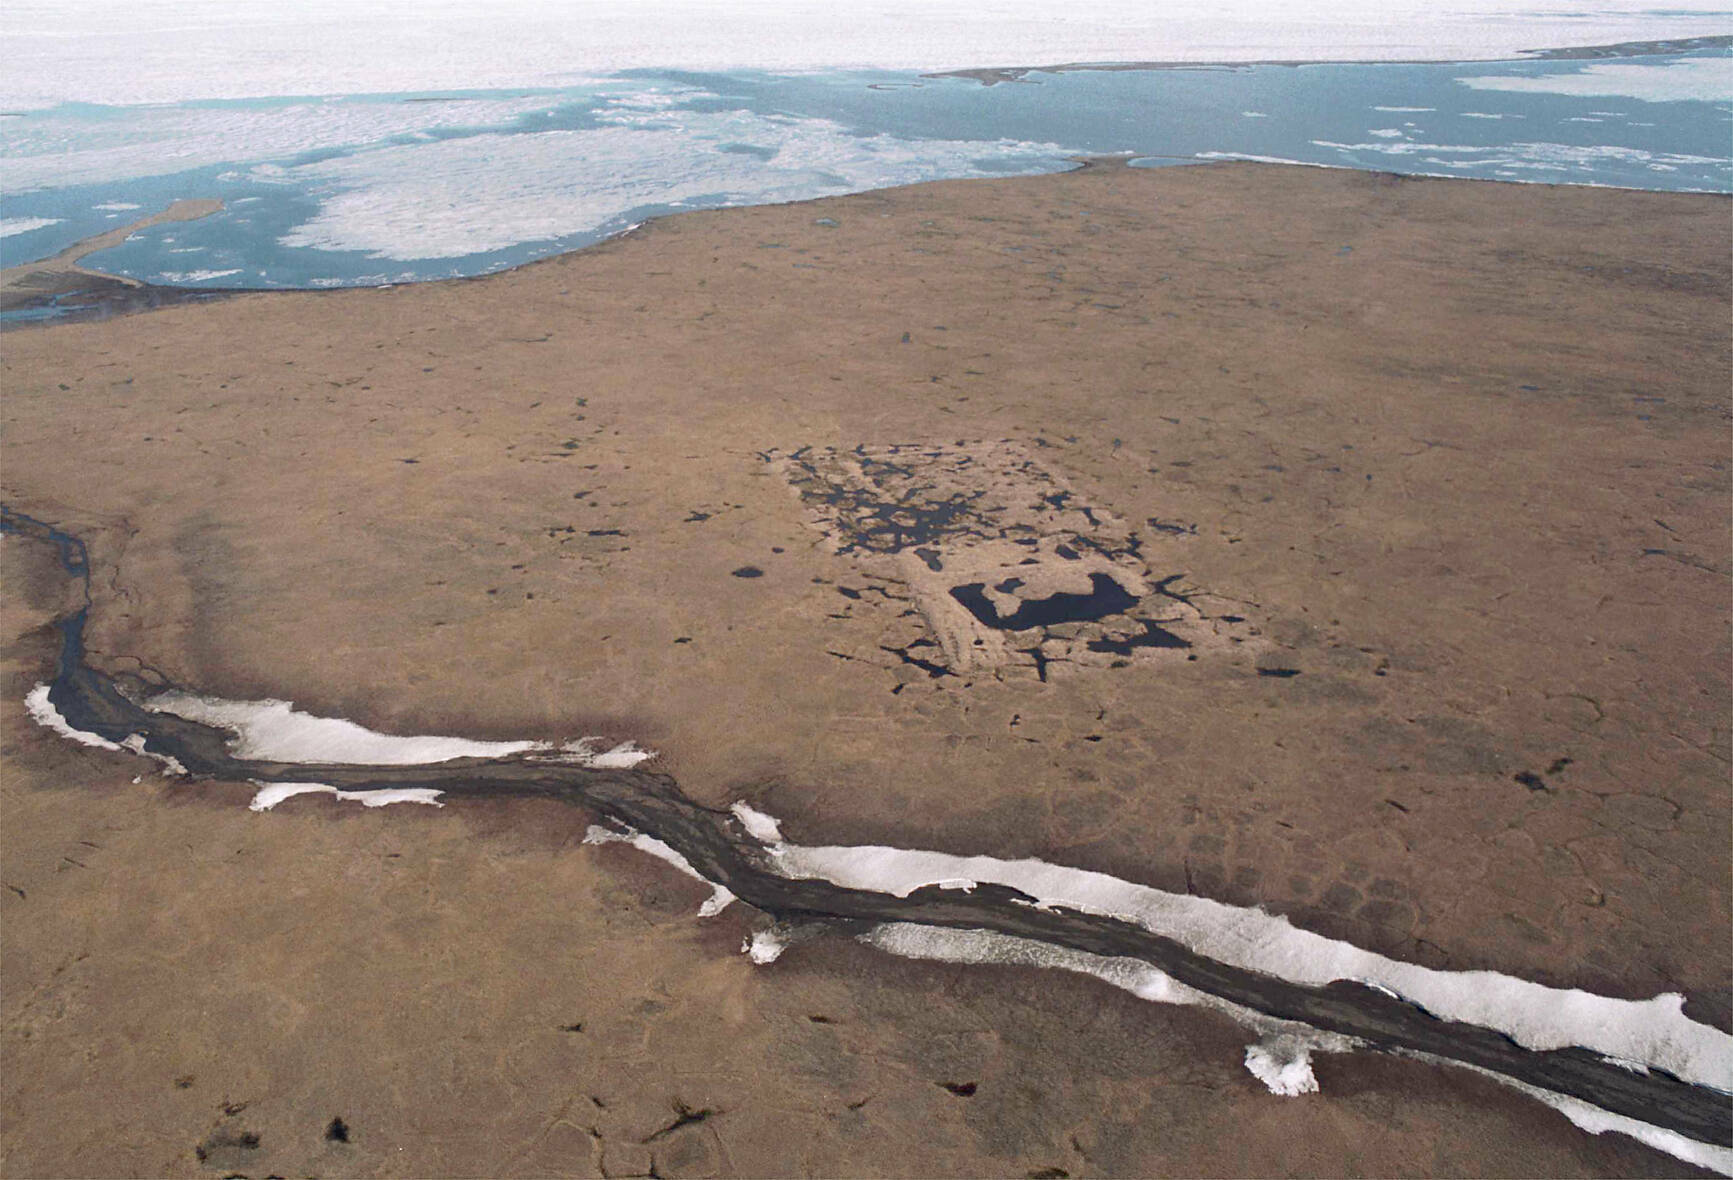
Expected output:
{"points": [[58, 282], [994, 75], [68, 293], [520, 504], [376, 220]]}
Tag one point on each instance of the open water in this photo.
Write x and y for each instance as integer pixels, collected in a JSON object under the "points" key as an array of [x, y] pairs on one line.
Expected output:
{"points": [[366, 190]]}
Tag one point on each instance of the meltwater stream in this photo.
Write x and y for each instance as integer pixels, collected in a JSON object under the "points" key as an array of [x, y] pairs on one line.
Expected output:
{"points": [[1639, 1067]]}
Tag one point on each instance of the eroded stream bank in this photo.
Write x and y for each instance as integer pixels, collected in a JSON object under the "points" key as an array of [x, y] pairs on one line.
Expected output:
{"points": [[723, 848]]}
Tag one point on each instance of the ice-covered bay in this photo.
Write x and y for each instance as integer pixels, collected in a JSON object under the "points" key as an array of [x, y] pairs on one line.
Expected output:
{"points": [[372, 189], [167, 51]]}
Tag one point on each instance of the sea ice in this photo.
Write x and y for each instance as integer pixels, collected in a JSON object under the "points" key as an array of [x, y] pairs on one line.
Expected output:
{"points": [[1699, 79], [127, 51], [196, 276], [23, 225], [1556, 156], [53, 149], [486, 192]]}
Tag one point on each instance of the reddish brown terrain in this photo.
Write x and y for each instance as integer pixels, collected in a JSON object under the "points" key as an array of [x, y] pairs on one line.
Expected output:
{"points": [[1431, 476]]}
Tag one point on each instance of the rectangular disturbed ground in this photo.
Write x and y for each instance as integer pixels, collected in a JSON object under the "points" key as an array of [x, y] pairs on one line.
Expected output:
{"points": [[1433, 475]]}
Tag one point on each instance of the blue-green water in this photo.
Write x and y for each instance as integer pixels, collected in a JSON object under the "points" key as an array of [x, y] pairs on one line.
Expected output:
{"points": [[375, 189]]}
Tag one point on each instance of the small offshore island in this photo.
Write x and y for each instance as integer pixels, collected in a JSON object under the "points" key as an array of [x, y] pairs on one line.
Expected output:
{"points": [[1389, 594]]}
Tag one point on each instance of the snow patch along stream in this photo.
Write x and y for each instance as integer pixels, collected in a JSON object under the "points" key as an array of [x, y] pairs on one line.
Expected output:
{"points": [[43, 712], [276, 731], [1639, 1035], [271, 794], [719, 897], [1653, 1032]]}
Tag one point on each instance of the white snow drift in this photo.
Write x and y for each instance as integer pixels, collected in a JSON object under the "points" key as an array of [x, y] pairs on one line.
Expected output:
{"points": [[1639, 1034], [275, 731], [1653, 1032]]}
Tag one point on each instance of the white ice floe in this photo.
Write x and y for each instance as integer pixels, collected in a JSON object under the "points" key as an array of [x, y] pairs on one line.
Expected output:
{"points": [[195, 276], [1284, 1064], [719, 897], [23, 225], [1654, 1032], [1555, 156], [156, 51], [480, 193], [52, 149], [271, 794], [274, 731], [1251, 158], [116, 206], [1695, 79], [43, 712]]}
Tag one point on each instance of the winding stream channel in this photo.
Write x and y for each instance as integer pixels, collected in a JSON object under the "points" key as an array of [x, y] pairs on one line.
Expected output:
{"points": [[1639, 1067]]}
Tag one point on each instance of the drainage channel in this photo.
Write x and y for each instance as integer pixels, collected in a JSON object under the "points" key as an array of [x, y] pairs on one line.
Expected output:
{"points": [[1684, 1109]]}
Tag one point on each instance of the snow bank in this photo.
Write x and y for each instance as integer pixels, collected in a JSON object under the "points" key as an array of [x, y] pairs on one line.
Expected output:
{"points": [[1653, 1032], [275, 731], [1284, 1064], [719, 897], [271, 794], [43, 712]]}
